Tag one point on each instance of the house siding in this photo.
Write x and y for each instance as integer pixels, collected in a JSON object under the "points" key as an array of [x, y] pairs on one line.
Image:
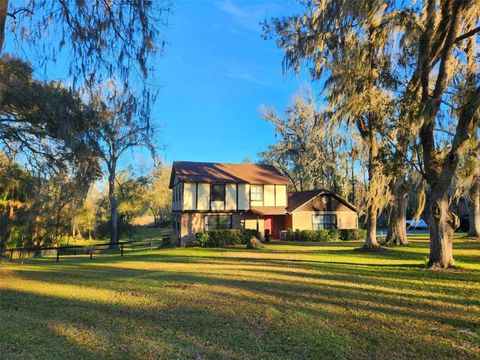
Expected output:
{"points": [[230, 196], [281, 195], [203, 200], [189, 196], [193, 222], [269, 195], [243, 196], [301, 218]]}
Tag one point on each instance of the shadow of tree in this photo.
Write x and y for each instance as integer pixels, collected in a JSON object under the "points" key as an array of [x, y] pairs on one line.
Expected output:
{"points": [[224, 304]]}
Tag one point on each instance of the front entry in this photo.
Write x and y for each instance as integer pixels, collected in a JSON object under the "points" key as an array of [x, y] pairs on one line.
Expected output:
{"points": [[274, 224]]}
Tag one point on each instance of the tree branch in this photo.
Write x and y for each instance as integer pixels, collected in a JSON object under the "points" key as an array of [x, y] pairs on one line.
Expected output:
{"points": [[467, 34]]}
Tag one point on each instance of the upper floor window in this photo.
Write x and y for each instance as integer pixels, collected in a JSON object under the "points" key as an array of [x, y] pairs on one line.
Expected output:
{"points": [[256, 192], [218, 192], [326, 221]]}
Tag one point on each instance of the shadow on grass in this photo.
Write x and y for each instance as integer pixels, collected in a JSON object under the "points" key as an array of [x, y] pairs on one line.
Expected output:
{"points": [[236, 315]]}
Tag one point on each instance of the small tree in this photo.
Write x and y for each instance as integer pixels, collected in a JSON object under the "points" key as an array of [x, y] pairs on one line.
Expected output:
{"points": [[119, 130], [159, 194]]}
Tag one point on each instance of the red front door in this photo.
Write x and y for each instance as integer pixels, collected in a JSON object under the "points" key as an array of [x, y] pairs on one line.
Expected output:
{"points": [[278, 226], [275, 224], [268, 224]]}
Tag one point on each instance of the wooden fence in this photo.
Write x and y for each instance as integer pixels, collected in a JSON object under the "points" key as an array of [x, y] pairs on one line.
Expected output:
{"points": [[21, 253]]}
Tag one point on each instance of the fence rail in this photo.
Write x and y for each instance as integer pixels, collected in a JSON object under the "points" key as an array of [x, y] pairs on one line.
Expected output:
{"points": [[73, 250]]}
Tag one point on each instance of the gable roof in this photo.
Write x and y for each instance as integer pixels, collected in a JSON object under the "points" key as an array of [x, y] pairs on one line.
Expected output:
{"points": [[189, 171], [299, 198]]}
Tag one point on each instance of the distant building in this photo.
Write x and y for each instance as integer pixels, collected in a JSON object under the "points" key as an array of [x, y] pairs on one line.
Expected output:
{"points": [[208, 196]]}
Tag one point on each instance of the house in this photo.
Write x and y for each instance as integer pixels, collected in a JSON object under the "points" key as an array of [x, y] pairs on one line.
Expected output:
{"points": [[208, 196]]}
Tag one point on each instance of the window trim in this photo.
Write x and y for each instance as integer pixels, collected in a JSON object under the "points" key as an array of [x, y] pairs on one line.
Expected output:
{"points": [[211, 192], [262, 192], [332, 224], [217, 216]]}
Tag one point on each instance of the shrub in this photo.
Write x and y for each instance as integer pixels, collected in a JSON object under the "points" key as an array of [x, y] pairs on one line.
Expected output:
{"points": [[334, 235], [353, 234], [202, 238], [222, 238], [312, 235]]}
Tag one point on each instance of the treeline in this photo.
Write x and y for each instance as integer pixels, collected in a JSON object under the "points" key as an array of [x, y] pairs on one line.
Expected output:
{"points": [[38, 210], [56, 141], [402, 80]]}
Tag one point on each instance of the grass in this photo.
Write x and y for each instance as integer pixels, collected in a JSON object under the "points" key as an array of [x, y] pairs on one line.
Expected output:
{"points": [[288, 301], [142, 233]]}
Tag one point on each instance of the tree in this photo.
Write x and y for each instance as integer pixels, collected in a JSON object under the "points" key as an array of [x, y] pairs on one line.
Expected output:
{"points": [[347, 41], [474, 208], [100, 38], [119, 130], [355, 43], [159, 194], [310, 151], [15, 192], [467, 182], [447, 29], [44, 120]]}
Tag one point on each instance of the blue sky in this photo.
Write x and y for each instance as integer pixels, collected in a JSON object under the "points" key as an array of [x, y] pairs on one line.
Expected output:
{"points": [[216, 74]]}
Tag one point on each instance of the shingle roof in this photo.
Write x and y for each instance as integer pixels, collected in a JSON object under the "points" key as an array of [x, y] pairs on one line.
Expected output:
{"points": [[297, 199], [189, 171], [268, 210]]}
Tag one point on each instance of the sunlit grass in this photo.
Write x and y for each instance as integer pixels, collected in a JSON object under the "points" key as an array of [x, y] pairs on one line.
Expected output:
{"points": [[143, 233], [303, 301]]}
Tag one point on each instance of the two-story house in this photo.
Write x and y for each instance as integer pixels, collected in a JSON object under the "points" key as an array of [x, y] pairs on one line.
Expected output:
{"points": [[209, 196]]}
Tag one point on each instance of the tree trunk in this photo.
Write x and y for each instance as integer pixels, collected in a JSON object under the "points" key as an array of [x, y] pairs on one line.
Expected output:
{"points": [[442, 226], [113, 212], [474, 208], [371, 240], [3, 230], [397, 233], [372, 208], [3, 19]]}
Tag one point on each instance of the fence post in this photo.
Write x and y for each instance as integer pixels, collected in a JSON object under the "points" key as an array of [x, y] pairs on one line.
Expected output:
{"points": [[121, 253], [58, 254], [91, 252]]}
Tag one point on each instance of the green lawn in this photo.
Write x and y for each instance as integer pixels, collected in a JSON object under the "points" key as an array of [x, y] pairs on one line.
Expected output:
{"points": [[142, 233], [288, 301]]}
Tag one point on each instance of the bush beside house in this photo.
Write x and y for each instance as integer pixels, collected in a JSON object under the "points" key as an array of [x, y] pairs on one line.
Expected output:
{"points": [[222, 238], [323, 235]]}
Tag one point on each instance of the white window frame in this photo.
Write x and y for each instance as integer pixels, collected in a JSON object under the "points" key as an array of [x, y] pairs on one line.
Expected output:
{"points": [[252, 193], [321, 225]]}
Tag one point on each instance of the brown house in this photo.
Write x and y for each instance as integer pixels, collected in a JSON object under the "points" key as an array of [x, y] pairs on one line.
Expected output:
{"points": [[209, 196]]}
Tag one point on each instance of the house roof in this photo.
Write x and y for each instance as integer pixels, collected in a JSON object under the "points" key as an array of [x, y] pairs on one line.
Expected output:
{"points": [[299, 198], [268, 210], [189, 171]]}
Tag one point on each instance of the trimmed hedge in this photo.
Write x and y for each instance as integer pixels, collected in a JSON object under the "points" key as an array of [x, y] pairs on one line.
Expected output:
{"points": [[222, 238], [324, 235], [353, 234], [312, 235]]}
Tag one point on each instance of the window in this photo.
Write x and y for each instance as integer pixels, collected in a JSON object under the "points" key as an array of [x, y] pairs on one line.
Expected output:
{"points": [[218, 192], [218, 222], [327, 221], [256, 192]]}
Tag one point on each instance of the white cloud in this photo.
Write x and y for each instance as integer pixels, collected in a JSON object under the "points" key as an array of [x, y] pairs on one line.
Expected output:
{"points": [[249, 16], [230, 8]]}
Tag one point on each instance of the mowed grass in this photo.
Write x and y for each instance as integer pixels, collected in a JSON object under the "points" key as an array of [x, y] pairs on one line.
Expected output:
{"points": [[288, 301], [141, 233]]}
